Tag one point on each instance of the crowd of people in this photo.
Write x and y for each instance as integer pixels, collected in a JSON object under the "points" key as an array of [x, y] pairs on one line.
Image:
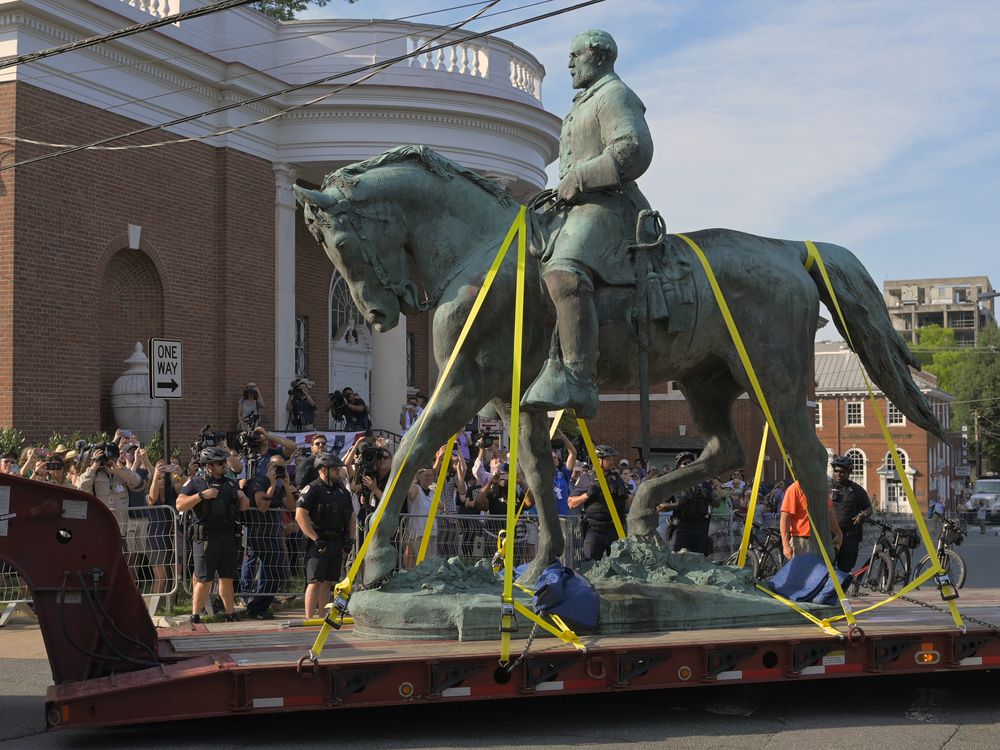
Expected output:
{"points": [[259, 518]]}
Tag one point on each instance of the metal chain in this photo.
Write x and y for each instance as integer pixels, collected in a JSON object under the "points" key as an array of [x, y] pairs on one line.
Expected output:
{"points": [[531, 637], [967, 618]]}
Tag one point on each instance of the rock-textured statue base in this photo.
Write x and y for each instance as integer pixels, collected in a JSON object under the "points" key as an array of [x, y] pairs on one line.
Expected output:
{"points": [[643, 588]]}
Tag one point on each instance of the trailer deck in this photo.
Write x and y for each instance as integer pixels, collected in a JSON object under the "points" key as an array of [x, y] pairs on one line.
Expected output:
{"points": [[234, 670]]}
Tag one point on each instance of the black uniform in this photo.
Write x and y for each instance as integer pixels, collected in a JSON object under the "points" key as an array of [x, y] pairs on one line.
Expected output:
{"points": [[330, 510], [598, 529], [849, 500], [692, 517], [216, 531]]}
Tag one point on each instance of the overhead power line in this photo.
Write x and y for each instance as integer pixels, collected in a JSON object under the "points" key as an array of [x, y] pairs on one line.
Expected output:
{"points": [[138, 28], [141, 100], [373, 68]]}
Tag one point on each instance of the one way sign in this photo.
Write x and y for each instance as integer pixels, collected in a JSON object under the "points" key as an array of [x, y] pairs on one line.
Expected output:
{"points": [[165, 371]]}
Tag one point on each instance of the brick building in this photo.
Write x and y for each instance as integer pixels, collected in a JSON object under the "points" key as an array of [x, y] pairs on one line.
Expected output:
{"points": [[846, 425], [202, 240]]}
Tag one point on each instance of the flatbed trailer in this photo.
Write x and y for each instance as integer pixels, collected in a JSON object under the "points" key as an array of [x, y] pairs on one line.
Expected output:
{"points": [[112, 667]]}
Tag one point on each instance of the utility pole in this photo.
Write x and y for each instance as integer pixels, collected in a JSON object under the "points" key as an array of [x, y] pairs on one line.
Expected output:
{"points": [[979, 447]]}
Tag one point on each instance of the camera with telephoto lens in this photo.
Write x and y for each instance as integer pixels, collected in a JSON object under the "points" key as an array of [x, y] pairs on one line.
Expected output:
{"points": [[338, 405], [367, 459], [86, 450], [280, 472], [206, 439], [485, 437], [297, 389]]}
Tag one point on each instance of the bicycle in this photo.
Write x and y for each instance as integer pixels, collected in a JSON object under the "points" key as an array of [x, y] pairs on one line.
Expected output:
{"points": [[764, 554], [952, 562], [889, 562]]}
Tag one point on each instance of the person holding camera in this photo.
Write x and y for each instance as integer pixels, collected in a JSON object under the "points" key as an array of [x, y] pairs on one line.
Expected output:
{"points": [[108, 481], [216, 502], [408, 414], [251, 406], [164, 487], [260, 442], [264, 560], [598, 529], [325, 515], [53, 471], [300, 407], [355, 412]]}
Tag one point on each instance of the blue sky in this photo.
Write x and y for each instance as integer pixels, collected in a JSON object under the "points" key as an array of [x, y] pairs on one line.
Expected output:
{"points": [[874, 125]]}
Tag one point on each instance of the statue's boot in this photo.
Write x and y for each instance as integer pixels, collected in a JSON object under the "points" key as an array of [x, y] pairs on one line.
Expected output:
{"points": [[572, 383]]}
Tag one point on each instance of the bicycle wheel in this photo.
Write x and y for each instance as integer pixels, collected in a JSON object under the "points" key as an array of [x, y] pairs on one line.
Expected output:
{"points": [[953, 565], [881, 573], [770, 563], [753, 562]]}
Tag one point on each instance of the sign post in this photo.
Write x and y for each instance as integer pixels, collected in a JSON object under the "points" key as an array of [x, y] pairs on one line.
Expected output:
{"points": [[166, 380]]}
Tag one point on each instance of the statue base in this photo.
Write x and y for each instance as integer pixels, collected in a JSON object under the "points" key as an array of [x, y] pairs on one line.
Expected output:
{"points": [[643, 588]]}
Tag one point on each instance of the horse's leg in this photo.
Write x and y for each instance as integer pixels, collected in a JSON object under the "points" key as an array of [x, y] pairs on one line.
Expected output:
{"points": [[536, 460], [711, 406], [431, 430], [795, 426]]}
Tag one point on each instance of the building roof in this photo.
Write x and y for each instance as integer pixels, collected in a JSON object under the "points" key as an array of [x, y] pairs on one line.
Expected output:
{"points": [[839, 370]]}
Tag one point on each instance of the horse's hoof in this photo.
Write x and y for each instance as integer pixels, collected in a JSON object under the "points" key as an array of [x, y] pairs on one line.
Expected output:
{"points": [[380, 563]]}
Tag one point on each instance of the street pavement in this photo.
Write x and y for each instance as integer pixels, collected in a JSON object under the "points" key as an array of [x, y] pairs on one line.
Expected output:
{"points": [[960, 711]]}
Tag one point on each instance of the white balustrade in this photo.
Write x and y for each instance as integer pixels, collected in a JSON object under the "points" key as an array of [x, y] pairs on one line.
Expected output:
{"points": [[461, 59], [155, 8]]}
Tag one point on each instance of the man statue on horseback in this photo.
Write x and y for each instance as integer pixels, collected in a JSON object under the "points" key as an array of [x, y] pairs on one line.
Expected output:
{"points": [[605, 145]]}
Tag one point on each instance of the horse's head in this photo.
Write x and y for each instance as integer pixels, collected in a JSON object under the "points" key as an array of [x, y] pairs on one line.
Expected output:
{"points": [[366, 247]]}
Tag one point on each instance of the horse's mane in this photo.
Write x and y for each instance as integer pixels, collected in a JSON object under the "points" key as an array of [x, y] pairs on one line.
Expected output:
{"points": [[348, 177]]}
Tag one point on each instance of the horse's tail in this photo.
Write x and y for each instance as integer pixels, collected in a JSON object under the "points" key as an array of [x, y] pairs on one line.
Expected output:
{"points": [[882, 350]]}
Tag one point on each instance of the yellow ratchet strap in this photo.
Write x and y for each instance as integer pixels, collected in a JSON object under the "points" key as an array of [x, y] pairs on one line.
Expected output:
{"points": [[342, 591], [436, 501], [752, 508], [762, 402], [507, 603], [935, 566], [602, 480]]}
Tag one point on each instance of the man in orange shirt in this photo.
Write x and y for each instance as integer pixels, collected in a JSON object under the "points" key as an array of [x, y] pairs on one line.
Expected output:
{"points": [[794, 525]]}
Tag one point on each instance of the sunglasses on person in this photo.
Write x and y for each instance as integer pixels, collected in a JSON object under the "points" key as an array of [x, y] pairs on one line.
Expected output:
{"points": [[320, 443]]}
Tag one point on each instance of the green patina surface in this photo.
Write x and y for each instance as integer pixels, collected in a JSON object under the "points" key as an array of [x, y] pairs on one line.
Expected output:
{"points": [[643, 588]]}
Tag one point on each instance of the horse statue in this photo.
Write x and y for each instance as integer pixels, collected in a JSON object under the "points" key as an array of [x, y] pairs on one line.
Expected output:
{"points": [[411, 208]]}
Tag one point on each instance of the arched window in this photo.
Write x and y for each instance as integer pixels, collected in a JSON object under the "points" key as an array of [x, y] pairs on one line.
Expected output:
{"points": [[344, 314], [859, 466]]}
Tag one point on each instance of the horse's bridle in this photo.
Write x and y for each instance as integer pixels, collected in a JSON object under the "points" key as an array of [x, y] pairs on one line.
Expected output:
{"points": [[406, 291]]}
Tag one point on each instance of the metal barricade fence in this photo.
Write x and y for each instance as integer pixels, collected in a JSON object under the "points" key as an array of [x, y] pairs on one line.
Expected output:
{"points": [[13, 591], [473, 537]]}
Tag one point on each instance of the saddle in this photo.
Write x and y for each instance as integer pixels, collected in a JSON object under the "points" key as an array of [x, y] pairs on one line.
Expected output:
{"points": [[652, 272]]}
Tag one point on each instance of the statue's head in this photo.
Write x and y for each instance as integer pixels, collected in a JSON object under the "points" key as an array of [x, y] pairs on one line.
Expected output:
{"points": [[591, 55]]}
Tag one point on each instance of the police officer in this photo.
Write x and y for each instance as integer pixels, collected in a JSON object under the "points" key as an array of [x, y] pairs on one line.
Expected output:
{"points": [[851, 506], [598, 528], [325, 514], [216, 501], [692, 512]]}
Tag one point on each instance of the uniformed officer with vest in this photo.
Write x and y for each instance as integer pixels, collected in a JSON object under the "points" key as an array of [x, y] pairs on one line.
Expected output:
{"points": [[851, 506], [692, 512], [325, 514], [598, 529], [215, 501]]}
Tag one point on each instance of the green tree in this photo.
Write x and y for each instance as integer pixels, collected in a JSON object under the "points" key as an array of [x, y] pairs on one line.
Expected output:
{"points": [[977, 392], [285, 10], [938, 354]]}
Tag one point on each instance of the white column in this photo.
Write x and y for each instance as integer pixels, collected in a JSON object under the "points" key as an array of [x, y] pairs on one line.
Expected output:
{"points": [[284, 288], [388, 377]]}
